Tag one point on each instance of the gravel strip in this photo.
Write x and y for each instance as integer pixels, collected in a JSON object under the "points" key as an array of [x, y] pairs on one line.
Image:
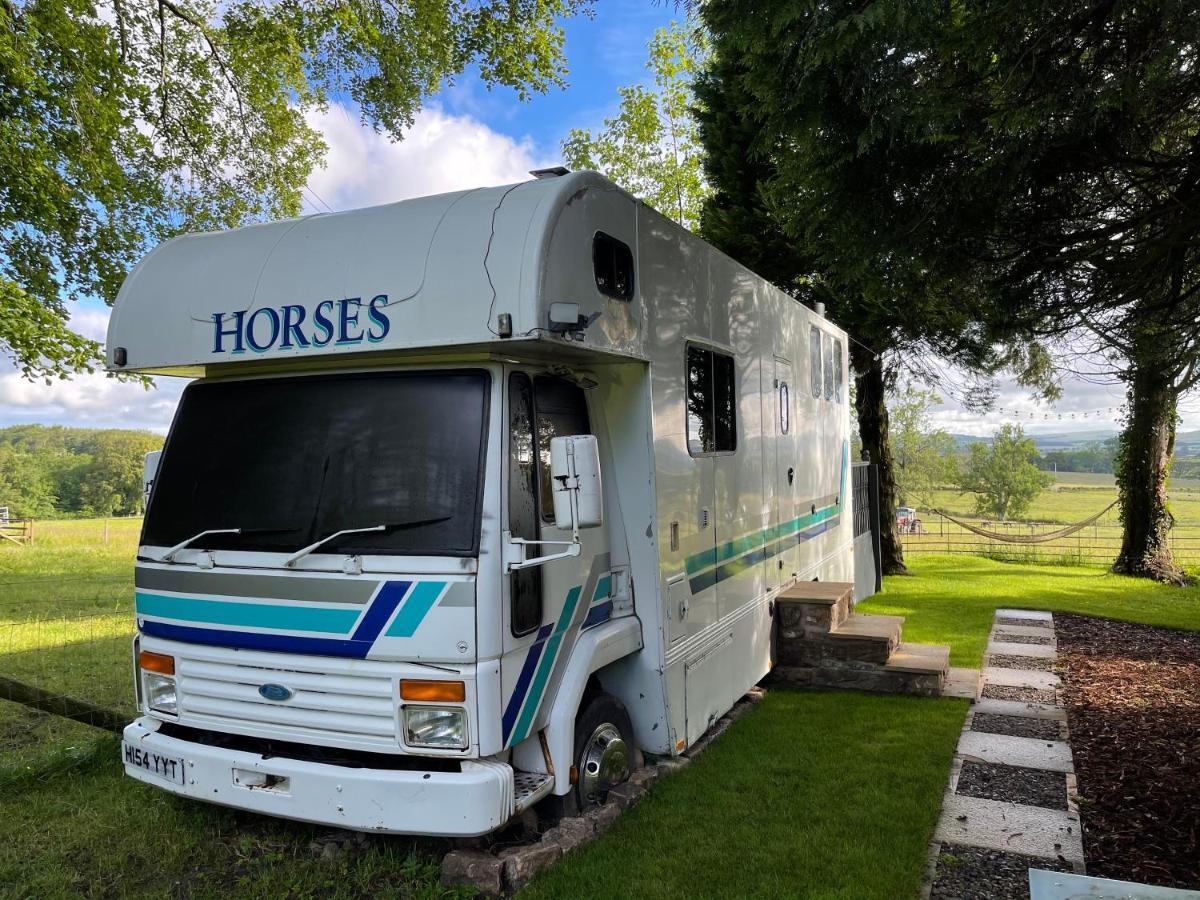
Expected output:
{"points": [[1040, 640], [1020, 694], [1037, 623], [1017, 726], [1007, 661], [971, 873], [1032, 787]]}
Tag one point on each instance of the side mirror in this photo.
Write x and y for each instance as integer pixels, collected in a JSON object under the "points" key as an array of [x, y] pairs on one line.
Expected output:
{"points": [[575, 473], [149, 470]]}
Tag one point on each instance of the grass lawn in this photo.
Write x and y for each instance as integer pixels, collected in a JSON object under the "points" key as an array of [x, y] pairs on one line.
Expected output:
{"points": [[951, 599], [813, 794], [93, 832]]}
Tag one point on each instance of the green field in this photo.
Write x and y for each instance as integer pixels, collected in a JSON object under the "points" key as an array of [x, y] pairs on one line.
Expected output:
{"points": [[66, 620], [815, 794]]}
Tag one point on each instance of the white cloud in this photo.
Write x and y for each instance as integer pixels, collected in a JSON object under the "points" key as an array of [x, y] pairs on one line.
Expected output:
{"points": [[440, 153]]}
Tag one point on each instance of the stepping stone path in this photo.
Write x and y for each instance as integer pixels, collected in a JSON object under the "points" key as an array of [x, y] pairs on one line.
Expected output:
{"points": [[1010, 804]]}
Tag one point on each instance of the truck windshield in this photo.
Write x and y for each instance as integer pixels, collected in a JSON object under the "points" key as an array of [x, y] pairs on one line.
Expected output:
{"points": [[292, 460]]}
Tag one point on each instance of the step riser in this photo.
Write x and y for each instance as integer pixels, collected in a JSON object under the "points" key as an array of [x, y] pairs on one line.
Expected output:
{"points": [[871, 679], [823, 650], [798, 619]]}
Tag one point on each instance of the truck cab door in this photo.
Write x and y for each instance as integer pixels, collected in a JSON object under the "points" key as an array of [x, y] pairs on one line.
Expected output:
{"points": [[547, 605]]}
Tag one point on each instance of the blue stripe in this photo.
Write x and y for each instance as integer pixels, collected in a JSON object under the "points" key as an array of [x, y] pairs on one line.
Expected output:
{"points": [[601, 612], [381, 609], [603, 588], [518, 695], [250, 640], [734, 567], [415, 608], [254, 615]]}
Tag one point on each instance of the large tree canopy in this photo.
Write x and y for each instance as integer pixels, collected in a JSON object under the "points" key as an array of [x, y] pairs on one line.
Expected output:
{"points": [[123, 123], [797, 110], [963, 173]]}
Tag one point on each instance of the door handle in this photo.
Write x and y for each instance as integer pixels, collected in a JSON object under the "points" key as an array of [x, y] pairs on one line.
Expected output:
{"points": [[791, 474]]}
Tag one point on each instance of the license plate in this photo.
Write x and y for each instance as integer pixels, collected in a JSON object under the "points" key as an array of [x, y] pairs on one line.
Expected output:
{"points": [[168, 768]]}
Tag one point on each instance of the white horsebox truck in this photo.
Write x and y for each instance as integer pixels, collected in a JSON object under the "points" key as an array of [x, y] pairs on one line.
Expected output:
{"points": [[474, 499]]}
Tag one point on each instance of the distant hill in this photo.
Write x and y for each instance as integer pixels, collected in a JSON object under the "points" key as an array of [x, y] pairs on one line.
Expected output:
{"points": [[1187, 443]]}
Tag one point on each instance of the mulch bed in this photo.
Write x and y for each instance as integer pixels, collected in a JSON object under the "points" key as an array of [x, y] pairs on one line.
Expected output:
{"points": [[1132, 694], [1017, 726], [972, 873], [1040, 640], [1012, 784], [1021, 694], [1007, 661]]}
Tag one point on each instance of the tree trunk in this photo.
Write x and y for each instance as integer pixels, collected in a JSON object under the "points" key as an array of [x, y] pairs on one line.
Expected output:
{"points": [[870, 403], [1147, 444]]}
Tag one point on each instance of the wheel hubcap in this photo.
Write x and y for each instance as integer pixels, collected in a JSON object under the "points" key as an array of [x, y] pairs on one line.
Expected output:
{"points": [[605, 762]]}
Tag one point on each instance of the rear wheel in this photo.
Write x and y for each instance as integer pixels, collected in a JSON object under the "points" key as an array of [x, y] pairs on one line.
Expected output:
{"points": [[604, 749]]}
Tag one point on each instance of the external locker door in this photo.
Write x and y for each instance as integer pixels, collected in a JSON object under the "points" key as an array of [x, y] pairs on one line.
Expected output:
{"points": [[786, 467]]}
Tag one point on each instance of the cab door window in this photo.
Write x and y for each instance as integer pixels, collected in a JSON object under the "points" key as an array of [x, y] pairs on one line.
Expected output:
{"points": [[525, 585], [561, 411]]}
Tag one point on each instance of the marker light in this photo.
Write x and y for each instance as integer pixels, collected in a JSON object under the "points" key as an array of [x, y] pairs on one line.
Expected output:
{"points": [[433, 691], [157, 662]]}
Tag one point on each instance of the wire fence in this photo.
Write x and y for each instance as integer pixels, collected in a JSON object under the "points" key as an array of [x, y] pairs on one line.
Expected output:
{"points": [[65, 669], [1097, 544]]}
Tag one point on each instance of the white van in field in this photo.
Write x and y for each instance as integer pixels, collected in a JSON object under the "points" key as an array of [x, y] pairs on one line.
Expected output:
{"points": [[474, 499]]}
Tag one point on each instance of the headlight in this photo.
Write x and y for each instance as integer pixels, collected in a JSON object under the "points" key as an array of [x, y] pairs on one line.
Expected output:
{"points": [[435, 726], [159, 691]]}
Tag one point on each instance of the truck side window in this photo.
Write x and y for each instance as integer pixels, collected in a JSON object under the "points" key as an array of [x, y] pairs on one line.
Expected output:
{"points": [[711, 402], [829, 387], [814, 360], [838, 376], [525, 585], [561, 411], [612, 263]]}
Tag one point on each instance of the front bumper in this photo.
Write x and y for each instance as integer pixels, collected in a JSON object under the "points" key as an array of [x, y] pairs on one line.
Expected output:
{"points": [[474, 801]]}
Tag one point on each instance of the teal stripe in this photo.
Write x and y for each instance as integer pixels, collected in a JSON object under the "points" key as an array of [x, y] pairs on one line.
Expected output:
{"points": [[603, 588], [253, 615], [534, 698], [420, 600], [744, 545]]}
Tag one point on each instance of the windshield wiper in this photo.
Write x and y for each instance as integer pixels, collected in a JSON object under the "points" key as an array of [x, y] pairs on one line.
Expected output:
{"points": [[391, 526], [169, 556]]}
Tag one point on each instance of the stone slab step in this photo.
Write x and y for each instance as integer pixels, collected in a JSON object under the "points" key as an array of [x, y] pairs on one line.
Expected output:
{"points": [[829, 592], [962, 683], [1033, 630], [870, 628], [1007, 750], [1030, 678], [1018, 708], [928, 658]]}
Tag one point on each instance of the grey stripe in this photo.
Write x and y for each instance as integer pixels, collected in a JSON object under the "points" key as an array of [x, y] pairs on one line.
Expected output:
{"points": [[301, 588], [461, 593]]}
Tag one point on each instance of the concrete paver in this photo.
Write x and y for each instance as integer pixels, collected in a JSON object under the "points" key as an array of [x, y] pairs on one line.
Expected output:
{"points": [[1025, 614], [1010, 827], [1006, 750], [1017, 708], [1010, 649], [1021, 678]]}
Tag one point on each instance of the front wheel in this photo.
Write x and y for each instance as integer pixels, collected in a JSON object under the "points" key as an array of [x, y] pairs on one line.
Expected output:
{"points": [[604, 749]]}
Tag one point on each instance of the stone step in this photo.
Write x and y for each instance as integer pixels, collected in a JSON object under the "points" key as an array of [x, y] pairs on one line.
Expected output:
{"points": [[879, 679], [859, 639], [928, 658], [810, 608]]}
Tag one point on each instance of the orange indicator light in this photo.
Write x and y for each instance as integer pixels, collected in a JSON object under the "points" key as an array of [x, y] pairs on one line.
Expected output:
{"points": [[157, 662], [433, 691]]}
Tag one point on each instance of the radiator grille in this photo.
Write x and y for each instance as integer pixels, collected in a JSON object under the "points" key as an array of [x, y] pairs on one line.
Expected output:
{"points": [[337, 709]]}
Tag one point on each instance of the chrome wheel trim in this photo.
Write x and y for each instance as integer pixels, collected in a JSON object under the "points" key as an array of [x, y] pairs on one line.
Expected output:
{"points": [[604, 762]]}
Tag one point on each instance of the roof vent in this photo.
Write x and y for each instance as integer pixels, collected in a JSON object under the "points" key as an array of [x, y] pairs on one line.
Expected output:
{"points": [[552, 172]]}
